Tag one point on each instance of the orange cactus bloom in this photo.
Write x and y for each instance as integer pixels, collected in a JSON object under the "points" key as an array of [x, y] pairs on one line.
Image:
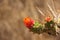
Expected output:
{"points": [[28, 22], [48, 19]]}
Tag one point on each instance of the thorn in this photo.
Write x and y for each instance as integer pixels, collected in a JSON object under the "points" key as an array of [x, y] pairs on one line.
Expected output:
{"points": [[52, 10], [40, 11]]}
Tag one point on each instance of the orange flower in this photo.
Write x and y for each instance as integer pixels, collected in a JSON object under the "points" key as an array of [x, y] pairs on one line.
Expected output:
{"points": [[28, 22], [48, 19]]}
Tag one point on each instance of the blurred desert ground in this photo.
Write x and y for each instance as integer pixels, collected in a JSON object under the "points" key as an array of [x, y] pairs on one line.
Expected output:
{"points": [[12, 13]]}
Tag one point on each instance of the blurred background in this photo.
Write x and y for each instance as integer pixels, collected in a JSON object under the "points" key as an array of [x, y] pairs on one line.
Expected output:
{"points": [[12, 13]]}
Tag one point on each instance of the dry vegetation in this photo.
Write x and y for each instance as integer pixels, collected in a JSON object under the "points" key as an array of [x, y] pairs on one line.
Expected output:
{"points": [[12, 13]]}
